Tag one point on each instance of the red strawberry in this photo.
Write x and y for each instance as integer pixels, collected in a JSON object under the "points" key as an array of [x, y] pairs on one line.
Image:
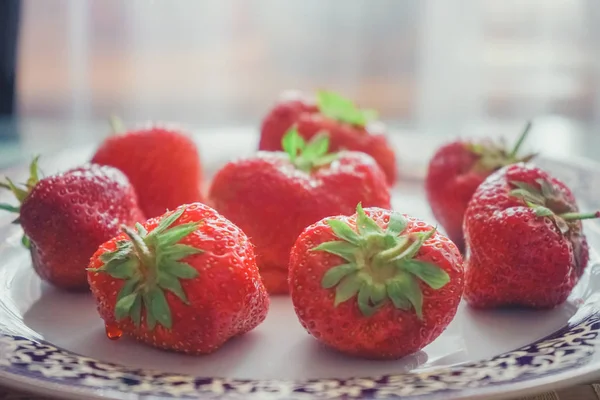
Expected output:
{"points": [[273, 196], [349, 127], [186, 281], [456, 170], [66, 217], [378, 284], [162, 164], [525, 240]]}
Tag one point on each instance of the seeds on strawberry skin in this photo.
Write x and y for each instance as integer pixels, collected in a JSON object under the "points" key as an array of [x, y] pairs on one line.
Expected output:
{"points": [[186, 281], [378, 284]]}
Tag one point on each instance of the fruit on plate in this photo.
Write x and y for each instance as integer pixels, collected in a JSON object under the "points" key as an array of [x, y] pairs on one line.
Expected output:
{"points": [[350, 128], [273, 196], [525, 240], [186, 281], [377, 284], [457, 169], [161, 162], [66, 217]]}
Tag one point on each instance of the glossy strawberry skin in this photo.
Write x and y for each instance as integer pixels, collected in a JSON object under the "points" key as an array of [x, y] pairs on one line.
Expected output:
{"points": [[67, 216], [450, 183], [161, 163], [515, 257], [272, 201], [227, 298], [309, 121], [390, 333]]}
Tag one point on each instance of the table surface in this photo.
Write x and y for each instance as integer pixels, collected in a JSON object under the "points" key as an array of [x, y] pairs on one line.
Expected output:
{"points": [[21, 139]]}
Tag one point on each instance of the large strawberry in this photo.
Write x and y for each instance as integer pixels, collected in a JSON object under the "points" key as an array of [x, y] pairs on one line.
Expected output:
{"points": [[455, 172], [273, 196], [525, 240], [378, 284], [161, 162], [350, 128], [186, 281], [66, 217]]}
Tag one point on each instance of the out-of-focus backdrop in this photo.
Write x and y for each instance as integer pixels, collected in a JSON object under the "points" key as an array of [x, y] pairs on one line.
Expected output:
{"points": [[434, 67]]}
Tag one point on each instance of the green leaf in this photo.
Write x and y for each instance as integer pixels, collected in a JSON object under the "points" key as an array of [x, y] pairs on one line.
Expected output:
{"points": [[325, 160], [397, 224], [25, 242], [548, 190], [334, 275], [172, 284], [150, 320], [347, 288], [33, 173], [120, 269], [136, 311], [339, 108], [179, 270], [412, 292], [141, 230], [19, 193], [124, 305], [429, 273], [527, 196], [363, 300], [166, 222], [175, 234], [343, 231], [343, 249], [364, 224], [292, 143], [159, 307], [178, 251], [9, 208], [317, 146], [541, 211], [395, 293], [378, 293], [123, 251]]}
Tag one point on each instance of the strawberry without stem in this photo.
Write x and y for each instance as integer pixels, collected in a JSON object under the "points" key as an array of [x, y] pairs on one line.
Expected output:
{"points": [[66, 217], [162, 164], [525, 240], [186, 281], [377, 284], [273, 196], [349, 127], [455, 172]]}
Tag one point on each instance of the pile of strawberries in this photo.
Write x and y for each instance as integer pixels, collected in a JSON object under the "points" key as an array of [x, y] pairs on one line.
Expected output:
{"points": [[309, 215]]}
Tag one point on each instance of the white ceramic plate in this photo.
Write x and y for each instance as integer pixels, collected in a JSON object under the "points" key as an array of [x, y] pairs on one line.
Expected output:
{"points": [[54, 343]]}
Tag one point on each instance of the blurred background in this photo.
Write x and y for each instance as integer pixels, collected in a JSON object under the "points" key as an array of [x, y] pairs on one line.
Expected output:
{"points": [[431, 67]]}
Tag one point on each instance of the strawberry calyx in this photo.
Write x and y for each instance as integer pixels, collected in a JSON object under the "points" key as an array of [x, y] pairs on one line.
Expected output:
{"points": [[380, 266], [21, 191], [493, 155], [546, 201], [150, 264], [341, 109], [307, 156]]}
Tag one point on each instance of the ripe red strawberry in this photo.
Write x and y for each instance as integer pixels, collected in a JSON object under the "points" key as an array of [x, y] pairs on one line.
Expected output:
{"points": [[455, 172], [186, 281], [525, 240], [66, 217], [273, 196], [162, 164], [378, 284], [349, 127]]}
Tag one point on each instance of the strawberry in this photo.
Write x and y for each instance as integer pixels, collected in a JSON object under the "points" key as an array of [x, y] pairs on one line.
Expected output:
{"points": [[66, 217], [349, 127], [377, 284], [185, 281], [162, 164], [455, 172], [273, 196], [525, 240]]}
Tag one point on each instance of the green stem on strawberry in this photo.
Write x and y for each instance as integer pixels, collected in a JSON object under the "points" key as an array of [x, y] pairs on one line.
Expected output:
{"points": [[380, 266], [307, 156], [579, 216], [520, 141], [150, 263]]}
